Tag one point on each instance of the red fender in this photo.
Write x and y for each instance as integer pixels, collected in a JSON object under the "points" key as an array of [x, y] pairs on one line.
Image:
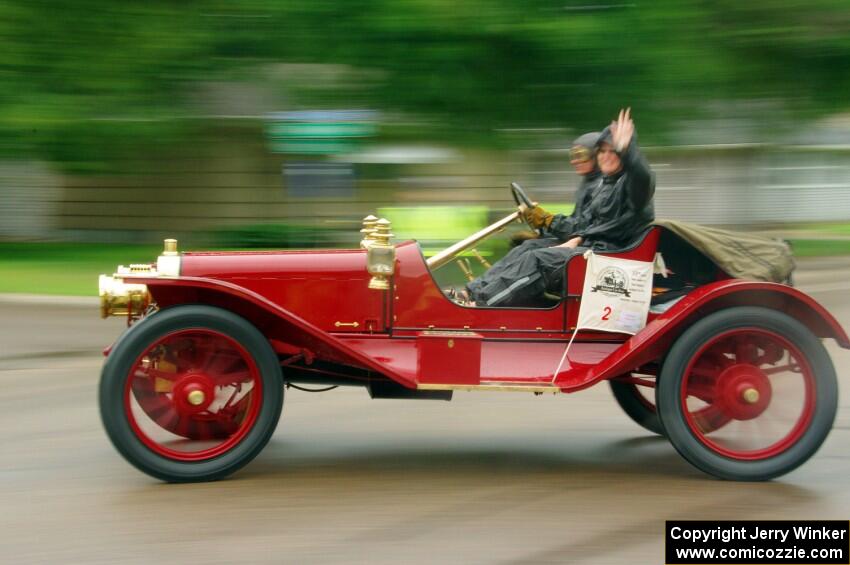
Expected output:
{"points": [[286, 330], [658, 336]]}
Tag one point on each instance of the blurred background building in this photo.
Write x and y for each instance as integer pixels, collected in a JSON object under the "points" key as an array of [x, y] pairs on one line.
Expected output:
{"points": [[283, 123]]}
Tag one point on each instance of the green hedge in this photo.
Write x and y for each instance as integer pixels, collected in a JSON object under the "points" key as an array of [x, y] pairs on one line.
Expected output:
{"points": [[276, 236]]}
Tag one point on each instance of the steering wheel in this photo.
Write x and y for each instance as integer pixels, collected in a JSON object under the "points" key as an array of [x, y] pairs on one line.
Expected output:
{"points": [[520, 197]]}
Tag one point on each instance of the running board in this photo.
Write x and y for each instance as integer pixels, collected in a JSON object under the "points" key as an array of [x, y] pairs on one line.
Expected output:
{"points": [[536, 388]]}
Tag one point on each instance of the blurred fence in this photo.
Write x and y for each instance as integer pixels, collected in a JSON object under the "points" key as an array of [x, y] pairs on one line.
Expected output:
{"points": [[743, 186], [29, 199], [755, 186]]}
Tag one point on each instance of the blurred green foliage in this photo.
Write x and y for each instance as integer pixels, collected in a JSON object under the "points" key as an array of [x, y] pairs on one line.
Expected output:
{"points": [[65, 268], [91, 81], [276, 236], [435, 227], [820, 247]]}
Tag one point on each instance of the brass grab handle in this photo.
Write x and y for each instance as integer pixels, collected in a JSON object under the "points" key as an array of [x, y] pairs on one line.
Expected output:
{"points": [[481, 259], [464, 266], [347, 324]]}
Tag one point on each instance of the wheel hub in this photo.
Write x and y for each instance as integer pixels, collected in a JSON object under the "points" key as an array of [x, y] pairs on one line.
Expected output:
{"points": [[193, 393], [196, 397], [750, 395], [744, 391]]}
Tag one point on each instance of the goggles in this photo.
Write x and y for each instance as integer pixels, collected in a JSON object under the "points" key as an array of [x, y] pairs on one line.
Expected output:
{"points": [[580, 153]]}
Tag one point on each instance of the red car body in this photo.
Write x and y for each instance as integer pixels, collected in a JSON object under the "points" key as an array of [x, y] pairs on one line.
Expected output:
{"points": [[326, 326], [309, 302]]}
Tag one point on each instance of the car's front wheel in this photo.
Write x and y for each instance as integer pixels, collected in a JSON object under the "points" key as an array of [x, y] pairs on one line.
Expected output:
{"points": [[191, 393]]}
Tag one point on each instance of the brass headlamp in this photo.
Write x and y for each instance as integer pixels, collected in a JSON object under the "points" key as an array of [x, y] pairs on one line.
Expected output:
{"points": [[119, 296], [380, 256]]}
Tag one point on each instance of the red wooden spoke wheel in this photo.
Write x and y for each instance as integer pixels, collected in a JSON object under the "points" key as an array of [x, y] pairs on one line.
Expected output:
{"points": [[638, 402], [747, 393], [191, 393], [633, 399]]}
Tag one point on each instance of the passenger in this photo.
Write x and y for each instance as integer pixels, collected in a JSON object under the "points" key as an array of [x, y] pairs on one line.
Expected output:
{"points": [[610, 213]]}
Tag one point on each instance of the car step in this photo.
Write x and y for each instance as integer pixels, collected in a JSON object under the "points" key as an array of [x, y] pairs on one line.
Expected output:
{"points": [[495, 386]]}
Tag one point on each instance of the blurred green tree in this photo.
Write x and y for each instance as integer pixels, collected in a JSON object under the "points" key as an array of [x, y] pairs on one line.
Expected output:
{"points": [[90, 81]]}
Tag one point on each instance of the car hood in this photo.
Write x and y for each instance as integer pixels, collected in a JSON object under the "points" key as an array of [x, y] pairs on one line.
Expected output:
{"points": [[230, 265]]}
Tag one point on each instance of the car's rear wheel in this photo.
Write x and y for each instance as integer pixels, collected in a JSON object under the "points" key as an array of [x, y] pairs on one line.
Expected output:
{"points": [[191, 393], [638, 402], [747, 393], [637, 405]]}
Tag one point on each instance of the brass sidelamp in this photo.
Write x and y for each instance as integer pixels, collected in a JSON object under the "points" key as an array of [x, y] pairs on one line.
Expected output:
{"points": [[368, 231], [380, 256]]}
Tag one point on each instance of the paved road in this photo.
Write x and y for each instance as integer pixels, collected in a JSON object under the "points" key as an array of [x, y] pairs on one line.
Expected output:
{"points": [[487, 478]]}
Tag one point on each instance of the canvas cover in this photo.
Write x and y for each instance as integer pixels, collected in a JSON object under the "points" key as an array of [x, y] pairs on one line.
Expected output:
{"points": [[739, 254]]}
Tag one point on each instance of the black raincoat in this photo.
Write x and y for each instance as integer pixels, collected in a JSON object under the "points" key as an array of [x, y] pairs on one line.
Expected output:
{"points": [[610, 213]]}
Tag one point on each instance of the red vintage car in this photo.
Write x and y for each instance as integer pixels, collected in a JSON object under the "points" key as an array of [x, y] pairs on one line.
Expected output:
{"points": [[743, 386]]}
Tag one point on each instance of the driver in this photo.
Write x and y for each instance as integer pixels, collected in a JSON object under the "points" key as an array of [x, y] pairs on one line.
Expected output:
{"points": [[547, 226], [610, 213]]}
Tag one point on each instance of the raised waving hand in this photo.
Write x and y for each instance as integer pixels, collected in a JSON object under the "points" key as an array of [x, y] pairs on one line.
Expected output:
{"points": [[622, 130]]}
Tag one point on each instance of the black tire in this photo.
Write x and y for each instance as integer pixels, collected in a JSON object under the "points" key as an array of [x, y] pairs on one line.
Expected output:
{"points": [[636, 406], [135, 341], [710, 460]]}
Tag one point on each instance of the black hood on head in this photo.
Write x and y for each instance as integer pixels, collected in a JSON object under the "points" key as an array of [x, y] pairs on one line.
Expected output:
{"points": [[605, 137], [588, 140]]}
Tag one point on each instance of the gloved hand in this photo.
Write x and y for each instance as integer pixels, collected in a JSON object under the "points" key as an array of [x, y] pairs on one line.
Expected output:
{"points": [[537, 217]]}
